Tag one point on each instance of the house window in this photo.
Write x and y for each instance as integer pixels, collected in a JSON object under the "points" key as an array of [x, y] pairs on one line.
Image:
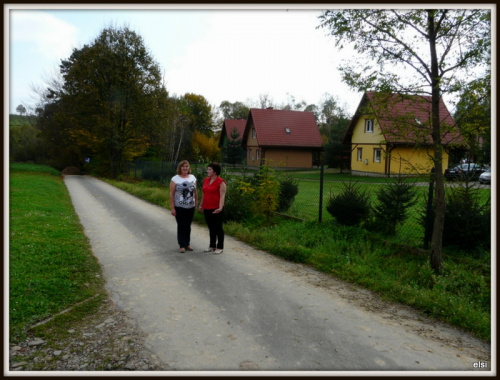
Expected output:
{"points": [[254, 134], [287, 130], [369, 125], [377, 154], [250, 154], [257, 153], [360, 154]]}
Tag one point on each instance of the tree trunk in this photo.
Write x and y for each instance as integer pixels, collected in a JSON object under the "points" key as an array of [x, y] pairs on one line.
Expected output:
{"points": [[439, 200]]}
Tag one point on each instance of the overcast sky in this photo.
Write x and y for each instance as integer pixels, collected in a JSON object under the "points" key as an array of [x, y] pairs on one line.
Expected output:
{"points": [[234, 55]]}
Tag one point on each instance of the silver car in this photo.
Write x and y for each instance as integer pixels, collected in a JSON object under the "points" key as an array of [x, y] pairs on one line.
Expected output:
{"points": [[485, 177]]}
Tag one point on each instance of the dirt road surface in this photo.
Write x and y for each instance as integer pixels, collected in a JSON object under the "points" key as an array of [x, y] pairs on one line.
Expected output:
{"points": [[246, 310]]}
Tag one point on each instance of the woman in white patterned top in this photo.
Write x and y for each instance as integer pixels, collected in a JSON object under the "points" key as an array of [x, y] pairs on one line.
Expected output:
{"points": [[183, 201]]}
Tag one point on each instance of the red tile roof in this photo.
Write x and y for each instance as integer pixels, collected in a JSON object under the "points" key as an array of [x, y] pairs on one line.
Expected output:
{"points": [[406, 119], [228, 126], [271, 128]]}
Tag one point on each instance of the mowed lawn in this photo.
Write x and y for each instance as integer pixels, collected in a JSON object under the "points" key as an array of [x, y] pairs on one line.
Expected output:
{"points": [[51, 266], [307, 201]]}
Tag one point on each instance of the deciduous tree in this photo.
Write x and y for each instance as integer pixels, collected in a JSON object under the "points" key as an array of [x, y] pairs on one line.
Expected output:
{"points": [[419, 51], [111, 97]]}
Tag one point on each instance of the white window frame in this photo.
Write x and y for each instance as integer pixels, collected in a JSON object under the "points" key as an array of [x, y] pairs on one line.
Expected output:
{"points": [[377, 155], [360, 154], [368, 125], [254, 133], [257, 154]]}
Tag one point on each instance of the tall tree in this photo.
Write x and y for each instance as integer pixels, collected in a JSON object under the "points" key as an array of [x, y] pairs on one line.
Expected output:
{"points": [[233, 151], [21, 109], [333, 122], [236, 110], [110, 98], [422, 51], [473, 116], [195, 116]]}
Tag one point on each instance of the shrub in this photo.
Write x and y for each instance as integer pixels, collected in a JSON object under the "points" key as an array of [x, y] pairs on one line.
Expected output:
{"points": [[467, 222], [394, 200], [350, 207], [288, 189], [238, 201]]}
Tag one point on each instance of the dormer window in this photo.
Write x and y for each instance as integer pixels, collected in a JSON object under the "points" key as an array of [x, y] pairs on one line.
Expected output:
{"points": [[369, 125], [287, 130]]}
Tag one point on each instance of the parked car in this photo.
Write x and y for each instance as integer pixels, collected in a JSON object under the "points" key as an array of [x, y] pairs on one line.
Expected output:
{"points": [[486, 176], [468, 171]]}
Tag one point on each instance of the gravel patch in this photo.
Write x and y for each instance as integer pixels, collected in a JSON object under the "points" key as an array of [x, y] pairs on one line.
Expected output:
{"points": [[105, 341]]}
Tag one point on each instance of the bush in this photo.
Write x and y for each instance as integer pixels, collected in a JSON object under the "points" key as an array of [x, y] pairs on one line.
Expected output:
{"points": [[467, 222], [289, 188], [394, 200], [238, 201], [350, 207]]}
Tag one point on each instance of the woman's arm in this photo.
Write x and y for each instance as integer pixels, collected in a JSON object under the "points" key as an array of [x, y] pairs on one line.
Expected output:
{"points": [[222, 197], [172, 197]]}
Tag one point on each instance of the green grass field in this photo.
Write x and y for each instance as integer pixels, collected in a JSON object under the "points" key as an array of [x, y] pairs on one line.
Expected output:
{"points": [[51, 266]]}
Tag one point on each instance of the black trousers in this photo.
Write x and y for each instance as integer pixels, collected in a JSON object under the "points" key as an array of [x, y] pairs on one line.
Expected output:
{"points": [[184, 218], [214, 223]]}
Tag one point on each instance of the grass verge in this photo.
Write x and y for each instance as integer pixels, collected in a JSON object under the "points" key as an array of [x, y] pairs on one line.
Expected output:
{"points": [[51, 265]]}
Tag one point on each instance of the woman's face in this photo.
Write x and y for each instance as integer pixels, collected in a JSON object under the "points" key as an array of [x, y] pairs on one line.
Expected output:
{"points": [[185, 169], [210, 172]]}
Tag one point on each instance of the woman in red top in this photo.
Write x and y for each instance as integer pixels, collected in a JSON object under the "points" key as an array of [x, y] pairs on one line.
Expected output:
{"points": [[212, 205]]}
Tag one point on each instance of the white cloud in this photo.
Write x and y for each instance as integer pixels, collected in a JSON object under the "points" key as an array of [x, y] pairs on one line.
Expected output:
{"points": [[242, 55], [46, 34]]}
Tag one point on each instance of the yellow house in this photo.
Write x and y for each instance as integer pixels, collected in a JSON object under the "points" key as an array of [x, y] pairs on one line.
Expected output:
{"points": [[391, 134]]}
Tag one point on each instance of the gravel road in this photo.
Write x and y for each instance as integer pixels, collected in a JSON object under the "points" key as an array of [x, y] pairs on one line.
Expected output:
{"points": [[248, 310]]}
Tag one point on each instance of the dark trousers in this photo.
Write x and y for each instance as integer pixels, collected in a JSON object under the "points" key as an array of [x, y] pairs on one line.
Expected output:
{"points": [[184, 218], [214, 223]]}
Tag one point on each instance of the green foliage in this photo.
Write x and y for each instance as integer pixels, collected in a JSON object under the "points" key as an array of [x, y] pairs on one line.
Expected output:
{"points": [[21, 109], [236, 110], [51, 265], [109, 105], [234, 153], [415, 52], [467, 225], [333, 121], [468, 219], [239, 199], [25, 143], [394, 201], [265, 192], [35, 168], [351, 207], [289, 188], [473, 116]]}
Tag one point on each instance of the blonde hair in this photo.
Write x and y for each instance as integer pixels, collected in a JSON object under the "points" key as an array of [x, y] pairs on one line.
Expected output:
{"points": [[181, 164]]}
